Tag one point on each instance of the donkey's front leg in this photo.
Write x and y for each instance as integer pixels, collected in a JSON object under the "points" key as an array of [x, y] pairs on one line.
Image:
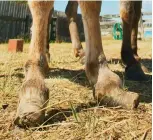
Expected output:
{"points": [[34, 95], [108, 86]]}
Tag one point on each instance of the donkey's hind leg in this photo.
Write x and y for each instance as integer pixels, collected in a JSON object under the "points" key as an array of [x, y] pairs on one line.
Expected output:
{"points": [[107, 85]]}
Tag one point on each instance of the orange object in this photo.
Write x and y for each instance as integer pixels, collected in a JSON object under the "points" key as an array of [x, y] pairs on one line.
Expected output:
{"points": [[15, 45]]}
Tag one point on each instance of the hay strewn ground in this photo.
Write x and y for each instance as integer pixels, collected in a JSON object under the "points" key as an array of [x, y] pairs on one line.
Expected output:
{"points": [[71, 113]]}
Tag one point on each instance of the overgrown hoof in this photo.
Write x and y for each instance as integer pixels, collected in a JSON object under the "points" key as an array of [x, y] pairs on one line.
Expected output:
{"points": [[33, 99], [109, 92], [117, 97], [30, 118], [135, 73]]}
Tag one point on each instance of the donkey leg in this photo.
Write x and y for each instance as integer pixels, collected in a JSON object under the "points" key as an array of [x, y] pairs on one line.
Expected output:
{"points": [[133, 70], [136, 17], [71, 12], [34, 94], [47, 44], [108, 86]]}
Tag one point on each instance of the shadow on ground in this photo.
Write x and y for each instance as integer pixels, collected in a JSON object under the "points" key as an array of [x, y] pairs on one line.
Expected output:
{"points": [[61, 114], [146, 63], [144, 89], [79, 77]]}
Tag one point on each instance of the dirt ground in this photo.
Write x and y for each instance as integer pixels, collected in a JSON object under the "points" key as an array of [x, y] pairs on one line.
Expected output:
{"points": [[72, 113]]}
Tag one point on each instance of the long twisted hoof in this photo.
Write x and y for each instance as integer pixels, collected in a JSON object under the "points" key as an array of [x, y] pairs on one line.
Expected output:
{"points": [[33, 98], [108, 91]]}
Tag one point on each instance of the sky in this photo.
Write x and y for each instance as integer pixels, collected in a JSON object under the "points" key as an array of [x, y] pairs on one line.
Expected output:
{"points": [[108, 7]]}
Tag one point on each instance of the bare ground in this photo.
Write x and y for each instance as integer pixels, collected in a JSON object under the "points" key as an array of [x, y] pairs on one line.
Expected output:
{"points": [[72, 113]]}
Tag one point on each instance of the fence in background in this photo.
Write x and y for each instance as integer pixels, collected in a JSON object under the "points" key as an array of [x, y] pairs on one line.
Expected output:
{"points": [[13, 19], [15, 22]]}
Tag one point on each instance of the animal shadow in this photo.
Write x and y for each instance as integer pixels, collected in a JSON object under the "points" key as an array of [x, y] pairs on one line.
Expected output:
{"points": [[77, 76], [146, 63]]}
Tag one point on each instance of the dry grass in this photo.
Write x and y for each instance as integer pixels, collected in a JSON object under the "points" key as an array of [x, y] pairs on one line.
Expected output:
{"points": [[71, 113]]}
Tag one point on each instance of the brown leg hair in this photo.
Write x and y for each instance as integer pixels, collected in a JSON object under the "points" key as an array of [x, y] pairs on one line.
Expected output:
{"points": [[136, 17], [71, 12], [106, 83], [34, 95], [90, 15], [127, 13], [130, 14]]}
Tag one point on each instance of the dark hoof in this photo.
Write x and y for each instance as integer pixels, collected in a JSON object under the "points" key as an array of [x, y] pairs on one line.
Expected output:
{"points": [[135, 73]]}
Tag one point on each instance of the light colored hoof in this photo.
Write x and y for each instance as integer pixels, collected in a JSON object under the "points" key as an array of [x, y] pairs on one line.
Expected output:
{"points": [[117, 97], [29, 117], [109, 92], [131, 100], [32, 101]]}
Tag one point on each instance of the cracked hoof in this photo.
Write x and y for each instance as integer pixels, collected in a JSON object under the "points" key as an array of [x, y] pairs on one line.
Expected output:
{"points": [[135, 73], [32, 99], [118, 97], [30, 118]]}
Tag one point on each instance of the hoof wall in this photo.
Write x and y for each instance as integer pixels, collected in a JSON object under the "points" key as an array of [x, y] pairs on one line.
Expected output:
{"points": [[29, 120]]}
